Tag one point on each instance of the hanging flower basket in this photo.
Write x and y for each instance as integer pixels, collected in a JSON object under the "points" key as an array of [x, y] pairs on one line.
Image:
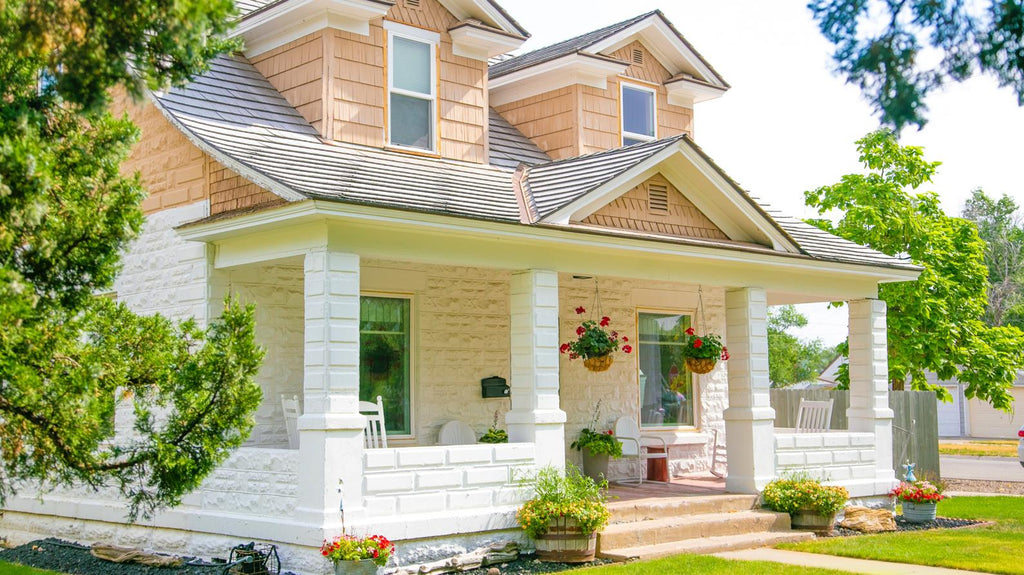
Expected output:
{"points": [[601, 363], [701, 365]]}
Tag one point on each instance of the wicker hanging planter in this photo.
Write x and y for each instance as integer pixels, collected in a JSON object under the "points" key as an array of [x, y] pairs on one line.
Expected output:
{"points": [[601, 363], [701, 365]]}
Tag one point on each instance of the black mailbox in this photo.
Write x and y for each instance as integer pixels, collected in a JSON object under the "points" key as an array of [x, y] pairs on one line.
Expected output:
{"points": [[494, 387]]}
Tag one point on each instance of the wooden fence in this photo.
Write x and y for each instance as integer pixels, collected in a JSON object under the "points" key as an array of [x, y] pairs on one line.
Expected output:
{"points": [[915, 428]]}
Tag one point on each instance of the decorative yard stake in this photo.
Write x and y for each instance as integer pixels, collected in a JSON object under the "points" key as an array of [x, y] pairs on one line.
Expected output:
{"points": [[909, 477]]}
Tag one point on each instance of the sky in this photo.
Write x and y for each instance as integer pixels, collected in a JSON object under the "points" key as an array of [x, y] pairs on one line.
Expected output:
{"points": [[788, 124]]}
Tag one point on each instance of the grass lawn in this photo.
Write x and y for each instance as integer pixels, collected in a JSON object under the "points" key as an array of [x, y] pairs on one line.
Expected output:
{"points": [[999, 448], [16, 569], [994, 549], [706, 565]]}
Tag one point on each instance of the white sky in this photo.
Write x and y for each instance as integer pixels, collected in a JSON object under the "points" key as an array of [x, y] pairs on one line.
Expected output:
{"points": [[788, 125]]}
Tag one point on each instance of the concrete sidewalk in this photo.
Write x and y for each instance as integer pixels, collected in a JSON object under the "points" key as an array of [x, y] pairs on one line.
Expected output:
{"points": [[839, 563]]}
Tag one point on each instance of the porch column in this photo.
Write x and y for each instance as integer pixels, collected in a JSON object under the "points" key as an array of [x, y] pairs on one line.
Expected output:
{"points": [[330, 428], [869, 384], [536, 416], [750, 419]]}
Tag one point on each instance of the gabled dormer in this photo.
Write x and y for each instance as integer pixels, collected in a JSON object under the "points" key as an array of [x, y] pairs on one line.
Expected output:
{"points": [[409, 75], [630, 82]]}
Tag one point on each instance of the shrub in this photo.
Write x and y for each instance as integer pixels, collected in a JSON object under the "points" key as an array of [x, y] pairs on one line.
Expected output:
{"points": [[598, 443], [791, 494], [376, 548], [571, 496]]}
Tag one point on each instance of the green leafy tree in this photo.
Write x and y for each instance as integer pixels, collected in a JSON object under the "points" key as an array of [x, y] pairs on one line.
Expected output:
{"points": [[937, 322], [1000, 225], [790, 359], [70, 359], [880, 46]]}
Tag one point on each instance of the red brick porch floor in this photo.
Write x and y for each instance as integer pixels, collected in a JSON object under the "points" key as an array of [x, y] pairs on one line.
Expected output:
{"points": [[682, 486]]}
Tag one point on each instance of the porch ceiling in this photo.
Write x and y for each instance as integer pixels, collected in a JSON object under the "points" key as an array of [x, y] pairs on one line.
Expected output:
{"points": [[391, 234]]}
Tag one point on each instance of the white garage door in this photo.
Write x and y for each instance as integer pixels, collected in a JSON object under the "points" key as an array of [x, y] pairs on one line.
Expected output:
{"points": [[989, 422], [949, 415]]}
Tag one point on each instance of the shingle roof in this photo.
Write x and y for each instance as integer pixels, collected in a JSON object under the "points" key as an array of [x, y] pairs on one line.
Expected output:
{"points": [[233, 113], [509, 147]]}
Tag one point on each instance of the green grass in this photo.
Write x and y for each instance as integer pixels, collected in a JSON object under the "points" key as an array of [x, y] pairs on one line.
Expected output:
{"points": [[993, 549], [995, 448], [16, 569], [706, 565]]}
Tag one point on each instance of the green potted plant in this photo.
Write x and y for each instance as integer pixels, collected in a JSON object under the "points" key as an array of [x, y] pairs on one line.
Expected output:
{"points": [[358, 555], [810, 504], [495, 434], [702, 352], [565, 514], [919, 500], [597, 447], [594, 343]]}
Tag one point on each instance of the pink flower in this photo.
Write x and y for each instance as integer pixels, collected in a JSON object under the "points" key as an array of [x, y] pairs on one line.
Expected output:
{"points": [[689, 331], [580, 330], [697, 343], [573, 355], [580, 310], [725, 353], [605, 321], [627, 349]]}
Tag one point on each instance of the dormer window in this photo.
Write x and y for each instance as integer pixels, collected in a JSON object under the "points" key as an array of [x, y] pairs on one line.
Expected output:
{"points": [[638, 114], [412, 86]]}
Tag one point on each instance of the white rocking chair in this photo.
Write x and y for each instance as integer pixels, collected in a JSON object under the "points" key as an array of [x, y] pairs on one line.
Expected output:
{"points": [[292, 411], [814, 416], [456, 433], [719, 462], [375, 436], [633, 444]]}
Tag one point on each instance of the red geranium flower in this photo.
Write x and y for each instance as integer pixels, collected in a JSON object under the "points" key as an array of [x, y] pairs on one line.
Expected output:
{"points": [[689, 331], [624, 338], [580, 330], [627, 349], [697, 343], [581, 310], [605, 321], [564, 348]]}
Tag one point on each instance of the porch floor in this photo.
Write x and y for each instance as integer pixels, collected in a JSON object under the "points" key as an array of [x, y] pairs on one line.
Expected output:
{"points": [[682, 486]]}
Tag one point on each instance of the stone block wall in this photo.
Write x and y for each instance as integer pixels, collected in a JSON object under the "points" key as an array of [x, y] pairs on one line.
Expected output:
{"points": [[618, 388], [446, 479], [832, 456], [254, 481]]}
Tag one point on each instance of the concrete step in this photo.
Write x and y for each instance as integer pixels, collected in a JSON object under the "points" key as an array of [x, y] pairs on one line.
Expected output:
{"points": [[681, 528], [706, 545], [634, 510]]}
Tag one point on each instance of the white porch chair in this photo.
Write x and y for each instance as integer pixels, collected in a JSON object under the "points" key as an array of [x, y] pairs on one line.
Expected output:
{"points": [[814, 416], [719, 463], [633, 444], [456, 433], [292, 411], [375, 436]]}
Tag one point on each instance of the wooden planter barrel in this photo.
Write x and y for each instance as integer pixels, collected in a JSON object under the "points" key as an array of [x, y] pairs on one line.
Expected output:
{"points": [[811, 520], [919, 512], [565, 543]]}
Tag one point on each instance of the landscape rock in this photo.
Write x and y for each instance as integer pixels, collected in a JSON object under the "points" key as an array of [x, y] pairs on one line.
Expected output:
{"points": [[868, 520]]}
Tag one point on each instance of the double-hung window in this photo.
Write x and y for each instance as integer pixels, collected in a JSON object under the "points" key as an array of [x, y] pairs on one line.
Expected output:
{"points": [[412, 86], [384, 359], [666, 387], [639, 109]]}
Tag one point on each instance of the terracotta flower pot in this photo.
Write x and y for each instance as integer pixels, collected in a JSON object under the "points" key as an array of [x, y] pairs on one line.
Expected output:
{"points": [[919, 512], [700, 365], [565, 543], [364, 567], [601, 363]]}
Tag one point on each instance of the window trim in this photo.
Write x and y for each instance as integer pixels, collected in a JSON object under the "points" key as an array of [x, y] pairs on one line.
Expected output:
{"points": [[697, 402], [432, 39], [623, 133], [413, 339]]}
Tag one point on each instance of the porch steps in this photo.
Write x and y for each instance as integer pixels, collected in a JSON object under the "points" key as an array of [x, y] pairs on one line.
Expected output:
{"points": [[657, 527]]}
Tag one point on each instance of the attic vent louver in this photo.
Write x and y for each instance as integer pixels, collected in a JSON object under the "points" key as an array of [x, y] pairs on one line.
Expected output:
{"points": [[638, 56], [657, 198], [412, 3]]}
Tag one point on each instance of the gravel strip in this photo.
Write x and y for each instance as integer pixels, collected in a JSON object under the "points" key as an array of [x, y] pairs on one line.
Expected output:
{"points": [[979, 486], [527, 564], [904, 525]]}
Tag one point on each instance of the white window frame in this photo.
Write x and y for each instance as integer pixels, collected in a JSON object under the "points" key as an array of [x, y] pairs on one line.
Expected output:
{"points": [[622, 112], [433, 39], [698, 399], [413, 392]]}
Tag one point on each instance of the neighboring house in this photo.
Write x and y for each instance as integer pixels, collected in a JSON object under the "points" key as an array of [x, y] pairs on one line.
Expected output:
{"points": [[409, 221]]}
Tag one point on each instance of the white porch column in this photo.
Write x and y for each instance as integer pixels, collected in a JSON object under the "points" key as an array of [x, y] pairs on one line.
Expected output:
{"points": [[331, 428], [750, 419], [869, 384], [536, 416]]}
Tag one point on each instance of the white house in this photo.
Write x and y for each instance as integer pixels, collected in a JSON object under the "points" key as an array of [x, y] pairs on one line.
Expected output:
{"points": [[409, 221]]}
